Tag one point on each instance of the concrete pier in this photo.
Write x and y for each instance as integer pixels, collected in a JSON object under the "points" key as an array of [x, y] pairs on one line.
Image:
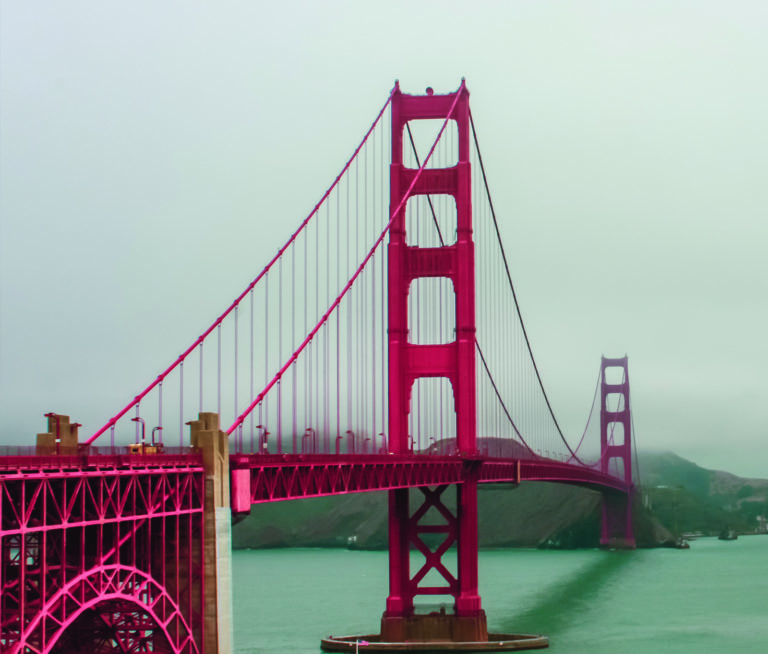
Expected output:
{"points": [[206, 436]]}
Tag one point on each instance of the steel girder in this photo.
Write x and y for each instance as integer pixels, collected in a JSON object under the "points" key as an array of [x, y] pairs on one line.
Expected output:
{"points": [[101, 558], [272, 478], [269, 478]]}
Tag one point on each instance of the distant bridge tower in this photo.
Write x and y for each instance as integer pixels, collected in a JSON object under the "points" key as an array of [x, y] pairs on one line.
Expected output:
{"points": [[616, 445], [454, 361]]}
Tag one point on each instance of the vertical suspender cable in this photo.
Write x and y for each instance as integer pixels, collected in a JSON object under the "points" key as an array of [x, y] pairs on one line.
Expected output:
{"points": [[373, 300], [349, 350], [338, 319], [265, 419], [316, 348], [364, 308], [239, 441], [279, 421], [251, 371], [293, 345], [181, 404], [419, 313], [358, 311], [383, 291], [307, 362], [326, 334], [218, 370]]}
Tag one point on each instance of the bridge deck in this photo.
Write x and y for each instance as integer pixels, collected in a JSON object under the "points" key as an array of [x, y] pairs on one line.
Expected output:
{"points": [[260, 478]]}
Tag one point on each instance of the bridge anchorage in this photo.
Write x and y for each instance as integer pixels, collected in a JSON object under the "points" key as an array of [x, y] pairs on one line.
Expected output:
{"points": [[126, 548]]}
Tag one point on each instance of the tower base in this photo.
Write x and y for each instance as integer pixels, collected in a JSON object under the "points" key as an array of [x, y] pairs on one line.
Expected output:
{"points": [[373, 643], [435, 627], [618, 544], [434, 632]]}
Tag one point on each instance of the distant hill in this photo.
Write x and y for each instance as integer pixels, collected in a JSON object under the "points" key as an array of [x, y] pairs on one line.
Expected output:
{"points": [[678, 496], [688, 498]]}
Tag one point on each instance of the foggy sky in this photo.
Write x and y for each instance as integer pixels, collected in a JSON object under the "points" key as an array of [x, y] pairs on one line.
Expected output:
{"points": [[153, 156]]}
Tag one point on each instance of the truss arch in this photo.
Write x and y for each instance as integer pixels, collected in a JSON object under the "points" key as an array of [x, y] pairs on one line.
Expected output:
{"points": [[116, 584]]}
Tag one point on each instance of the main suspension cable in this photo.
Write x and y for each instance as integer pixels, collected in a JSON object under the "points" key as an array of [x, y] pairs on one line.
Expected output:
{"points": [[514, 294], [178, 362], [278, 376], [501, 401]]}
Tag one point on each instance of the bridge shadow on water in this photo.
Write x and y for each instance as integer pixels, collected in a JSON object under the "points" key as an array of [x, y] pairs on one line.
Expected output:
{"points": [[559, 605]]}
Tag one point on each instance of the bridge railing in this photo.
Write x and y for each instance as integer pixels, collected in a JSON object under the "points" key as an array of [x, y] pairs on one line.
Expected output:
{"points": [[29, 457]]}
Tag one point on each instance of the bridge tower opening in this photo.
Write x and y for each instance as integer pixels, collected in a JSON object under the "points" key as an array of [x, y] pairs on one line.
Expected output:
{"points": [[455, 361], [616, 452]]}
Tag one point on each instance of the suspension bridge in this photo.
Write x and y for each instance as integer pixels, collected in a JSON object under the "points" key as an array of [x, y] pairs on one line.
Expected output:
{"points": [[382, 348]]}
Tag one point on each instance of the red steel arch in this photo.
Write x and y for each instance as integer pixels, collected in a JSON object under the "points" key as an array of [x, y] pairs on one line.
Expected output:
{"points": [[115, 529], [104, 584]]}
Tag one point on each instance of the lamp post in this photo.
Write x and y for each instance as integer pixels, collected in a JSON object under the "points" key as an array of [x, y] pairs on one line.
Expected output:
{"points": [[351, 440], [143, 428], [309, 432], [263, 445]]}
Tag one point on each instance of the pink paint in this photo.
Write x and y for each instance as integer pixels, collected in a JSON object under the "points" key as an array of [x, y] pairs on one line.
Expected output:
{"points": [[80, 530], [455, 360], [617, 508], [91, 530]]}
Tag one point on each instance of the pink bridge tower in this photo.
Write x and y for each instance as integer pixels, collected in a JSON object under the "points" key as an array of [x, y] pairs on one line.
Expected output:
{"points": [[456, 362], [616, 445]]}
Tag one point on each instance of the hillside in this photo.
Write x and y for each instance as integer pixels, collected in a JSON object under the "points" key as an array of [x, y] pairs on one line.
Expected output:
{"points": [[677, 494], [531, 515], [688, 498]]}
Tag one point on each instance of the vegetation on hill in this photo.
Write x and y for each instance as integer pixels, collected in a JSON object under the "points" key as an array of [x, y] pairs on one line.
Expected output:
{"points": [[531, 515], [690, 499]]}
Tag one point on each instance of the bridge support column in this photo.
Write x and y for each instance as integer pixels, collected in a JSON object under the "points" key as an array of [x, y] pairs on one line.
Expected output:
{"points": [[616, 455], [465, 620], [217, 535], [434, 528], [468, 600]]}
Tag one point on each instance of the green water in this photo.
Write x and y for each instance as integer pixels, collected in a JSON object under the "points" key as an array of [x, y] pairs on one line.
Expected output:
{"points": [[711, 598]]}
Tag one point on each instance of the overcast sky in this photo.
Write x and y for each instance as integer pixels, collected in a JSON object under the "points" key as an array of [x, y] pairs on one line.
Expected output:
{"points": [[153, 156]]}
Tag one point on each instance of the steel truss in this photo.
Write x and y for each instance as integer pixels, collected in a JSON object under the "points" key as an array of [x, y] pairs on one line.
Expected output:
{"points": [[101, 559], [268, 478], [257, 478]]}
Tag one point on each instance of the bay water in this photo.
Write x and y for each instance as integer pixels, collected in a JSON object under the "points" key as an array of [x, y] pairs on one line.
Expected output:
{"points": [[710, 598]]}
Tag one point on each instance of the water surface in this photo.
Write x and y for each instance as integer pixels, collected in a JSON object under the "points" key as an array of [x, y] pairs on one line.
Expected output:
{"points": [[711, 598]]}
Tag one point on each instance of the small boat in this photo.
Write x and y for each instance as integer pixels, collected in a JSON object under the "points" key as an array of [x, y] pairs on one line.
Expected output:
{"points": [[352, 543], [727, 534]]}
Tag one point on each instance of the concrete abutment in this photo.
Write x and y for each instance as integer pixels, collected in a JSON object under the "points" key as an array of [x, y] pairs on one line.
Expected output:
{"points": [[218, 632]]}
